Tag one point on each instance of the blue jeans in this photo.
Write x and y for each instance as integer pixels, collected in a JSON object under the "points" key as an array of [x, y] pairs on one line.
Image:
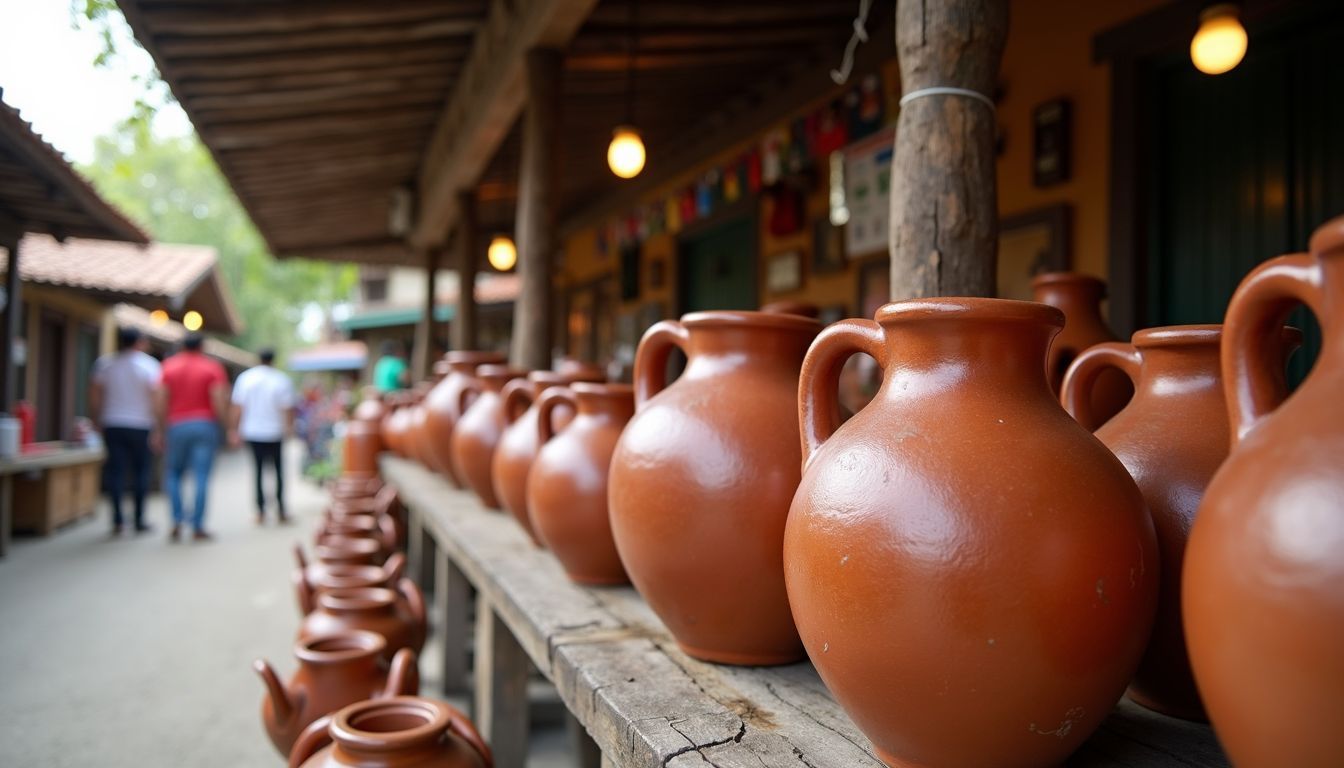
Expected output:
{"points": [[190, 444]]}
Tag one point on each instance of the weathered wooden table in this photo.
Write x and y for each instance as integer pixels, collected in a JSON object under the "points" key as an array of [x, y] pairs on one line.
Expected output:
{"points": [[55, 458], [641, 699]]}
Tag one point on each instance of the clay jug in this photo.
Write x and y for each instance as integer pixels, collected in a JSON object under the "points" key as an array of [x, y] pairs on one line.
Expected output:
{"points": [[1079, 297], [567, 487], [334, 671], [1264, 569], [363, 436], [477, 432], [425, 439], [397, 732], [374, 609], [309, 580], [443, 404], [702, 477], [973, 574], [1172, 437], [518, 443]]}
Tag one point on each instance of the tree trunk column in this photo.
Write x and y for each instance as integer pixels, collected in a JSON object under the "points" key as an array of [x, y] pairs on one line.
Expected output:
{"points": [[537, 198], [9, 383], [422, 356], [464, 323], [944, 211]]}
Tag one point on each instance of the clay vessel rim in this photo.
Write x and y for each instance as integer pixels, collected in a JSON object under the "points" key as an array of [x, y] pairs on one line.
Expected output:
{"points": [[604, 389], [969, 308], [353, 522], [436, 719], [361, 644], [472, 356], [440, 368], [334, 576], [1178, 336], [349, 545], [554, 377], [1065, 278], [746, 319], [356, 598], [499, 372]]}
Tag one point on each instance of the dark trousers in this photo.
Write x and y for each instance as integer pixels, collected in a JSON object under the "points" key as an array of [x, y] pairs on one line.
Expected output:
{"points": [[263, 453], [127, 458]]}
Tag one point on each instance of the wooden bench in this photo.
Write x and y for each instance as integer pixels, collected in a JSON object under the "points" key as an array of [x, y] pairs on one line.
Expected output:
{"points": [[641, 699]]}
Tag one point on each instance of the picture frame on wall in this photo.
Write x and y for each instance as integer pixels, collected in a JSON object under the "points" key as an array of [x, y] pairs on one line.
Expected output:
{"points": [[828, 247], [1031, 243], [784, 272]]}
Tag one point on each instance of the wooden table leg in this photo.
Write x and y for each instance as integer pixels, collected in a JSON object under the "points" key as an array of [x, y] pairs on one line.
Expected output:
{"points": [[6, 511], [453, 593], [415, 541], [427, 566], [586, 752], [502, 668]]}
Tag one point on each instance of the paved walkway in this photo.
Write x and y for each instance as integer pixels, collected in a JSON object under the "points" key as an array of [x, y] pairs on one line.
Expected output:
{"points": [[135, 652]]}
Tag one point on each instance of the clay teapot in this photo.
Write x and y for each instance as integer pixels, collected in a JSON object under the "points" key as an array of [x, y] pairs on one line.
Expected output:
{"points": [[309, 579], [354, 487], [1079, 297], [397, 732], [1172, 437], [443, 404], [518, 443], [327, 558], [399, 618], [1264, 568], [567, 487], [334, 671], [379, 528], [701, 480], [477, 433], [973, 574]]}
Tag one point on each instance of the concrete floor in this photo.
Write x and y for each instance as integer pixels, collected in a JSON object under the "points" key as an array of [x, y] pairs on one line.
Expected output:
{"points": [[135, 652]]}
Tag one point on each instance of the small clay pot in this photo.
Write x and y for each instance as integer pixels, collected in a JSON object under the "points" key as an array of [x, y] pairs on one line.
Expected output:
{"points": [[310, 579], [401, 623], [567, 487], [397, 732], [443, 404], [1079, 297], [349, 551], [518, 443], [355, 486], [334, 671], [379, 528], [477, 433], [1264, 568]]}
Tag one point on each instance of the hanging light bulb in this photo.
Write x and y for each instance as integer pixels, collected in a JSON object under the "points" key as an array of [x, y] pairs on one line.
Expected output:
{"points": [[625, 154], [502, 254], [158, 317], [1220, 43], [192, 321]]}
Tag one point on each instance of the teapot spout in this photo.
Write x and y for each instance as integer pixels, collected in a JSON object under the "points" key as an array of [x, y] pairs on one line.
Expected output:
{"points": [[281, 705]]}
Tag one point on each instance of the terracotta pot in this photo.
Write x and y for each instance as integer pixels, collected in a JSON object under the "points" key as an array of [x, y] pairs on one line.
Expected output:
{"points": [[354, 486], [309, 580], [973, 574], [1171, 437], [363, 436], [567, 487], [1264, 569], [349, 551], [443, 404], [477, 433], [424, 435], [1079, 297], [399, 732], [702, 477], [518, 443], [378, 528], [375, 609], [371, 408], [391, 423], [334, 671]]}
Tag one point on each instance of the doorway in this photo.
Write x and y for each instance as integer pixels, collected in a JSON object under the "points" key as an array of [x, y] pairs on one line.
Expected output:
{"points": [[719, 267]]}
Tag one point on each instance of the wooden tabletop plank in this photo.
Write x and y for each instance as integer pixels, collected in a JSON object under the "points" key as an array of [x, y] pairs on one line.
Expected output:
{"points": [[646, 703]]}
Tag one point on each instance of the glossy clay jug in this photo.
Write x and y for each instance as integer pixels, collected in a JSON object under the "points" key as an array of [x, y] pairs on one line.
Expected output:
{"points": [[973, 574], [443, 405], [399, 732], [478, 431], [1079, 297], [400, 621]]}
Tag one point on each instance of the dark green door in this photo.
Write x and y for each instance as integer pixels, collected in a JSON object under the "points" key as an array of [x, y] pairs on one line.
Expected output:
{"points": [[1247, 164], [719, 267]]}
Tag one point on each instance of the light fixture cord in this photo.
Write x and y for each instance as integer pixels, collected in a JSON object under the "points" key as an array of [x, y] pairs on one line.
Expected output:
{"points": [[860, 36], [630, 64]]}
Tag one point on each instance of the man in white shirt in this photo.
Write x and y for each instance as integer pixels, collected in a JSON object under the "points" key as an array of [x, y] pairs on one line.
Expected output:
{"points": [[121, 402], [263, 415]]}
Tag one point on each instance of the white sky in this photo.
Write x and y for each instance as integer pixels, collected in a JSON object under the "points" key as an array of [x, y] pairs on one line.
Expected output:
{"points": [[47, 73]]}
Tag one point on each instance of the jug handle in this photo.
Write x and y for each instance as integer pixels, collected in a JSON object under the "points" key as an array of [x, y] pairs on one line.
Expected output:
{"points": [[387, 528], [299, 556], [473, 388], [304, 590], [546, 405], [1075, 394], [1254, 381], [414, 599], [394, 566], [460, 725], [316, 736], [651, 357], [517, 396], [403, 679], [819, 383]]}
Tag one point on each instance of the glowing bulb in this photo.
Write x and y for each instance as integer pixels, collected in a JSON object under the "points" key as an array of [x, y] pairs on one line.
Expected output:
{"points": [[625, 154], [192, 320], [1220, 43], [158, 317], [502, 255]]}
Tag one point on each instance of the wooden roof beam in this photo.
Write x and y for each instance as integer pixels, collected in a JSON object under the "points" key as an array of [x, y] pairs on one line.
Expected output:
{"points": [[257, 18], [485, 104], [388, 34]]}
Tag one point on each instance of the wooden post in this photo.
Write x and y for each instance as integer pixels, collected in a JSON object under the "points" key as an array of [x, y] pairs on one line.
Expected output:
{"points": [[944, 212], [9, 382], [537, 199], [422, 358], [502, 667], [467, 241], [453, 593], [586, 752]]}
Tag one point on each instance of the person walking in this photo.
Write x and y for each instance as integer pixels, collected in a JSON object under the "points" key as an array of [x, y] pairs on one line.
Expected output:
{"points": [[121, 400], [193, 402], [263, 415], [390, 372]]}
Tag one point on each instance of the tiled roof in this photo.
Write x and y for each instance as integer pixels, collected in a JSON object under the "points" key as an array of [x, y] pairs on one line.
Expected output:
{"points": [[157, 269], [172, 332]]}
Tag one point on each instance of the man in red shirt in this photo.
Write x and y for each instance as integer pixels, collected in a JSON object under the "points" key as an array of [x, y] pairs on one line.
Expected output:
{"points": [[193, 402]]}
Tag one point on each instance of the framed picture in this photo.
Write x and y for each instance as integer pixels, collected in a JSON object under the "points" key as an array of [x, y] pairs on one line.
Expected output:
{"points": [[784, 272], [828, 247], [1029, 244], [874, 286]]}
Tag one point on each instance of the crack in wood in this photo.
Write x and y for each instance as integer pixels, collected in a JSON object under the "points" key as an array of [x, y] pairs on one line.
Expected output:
{"points": [[769, 686], [699, 748]]}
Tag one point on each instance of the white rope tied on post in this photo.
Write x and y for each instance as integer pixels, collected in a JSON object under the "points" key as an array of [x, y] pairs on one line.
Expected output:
{"points": [[947, 90], [860, 36]]}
